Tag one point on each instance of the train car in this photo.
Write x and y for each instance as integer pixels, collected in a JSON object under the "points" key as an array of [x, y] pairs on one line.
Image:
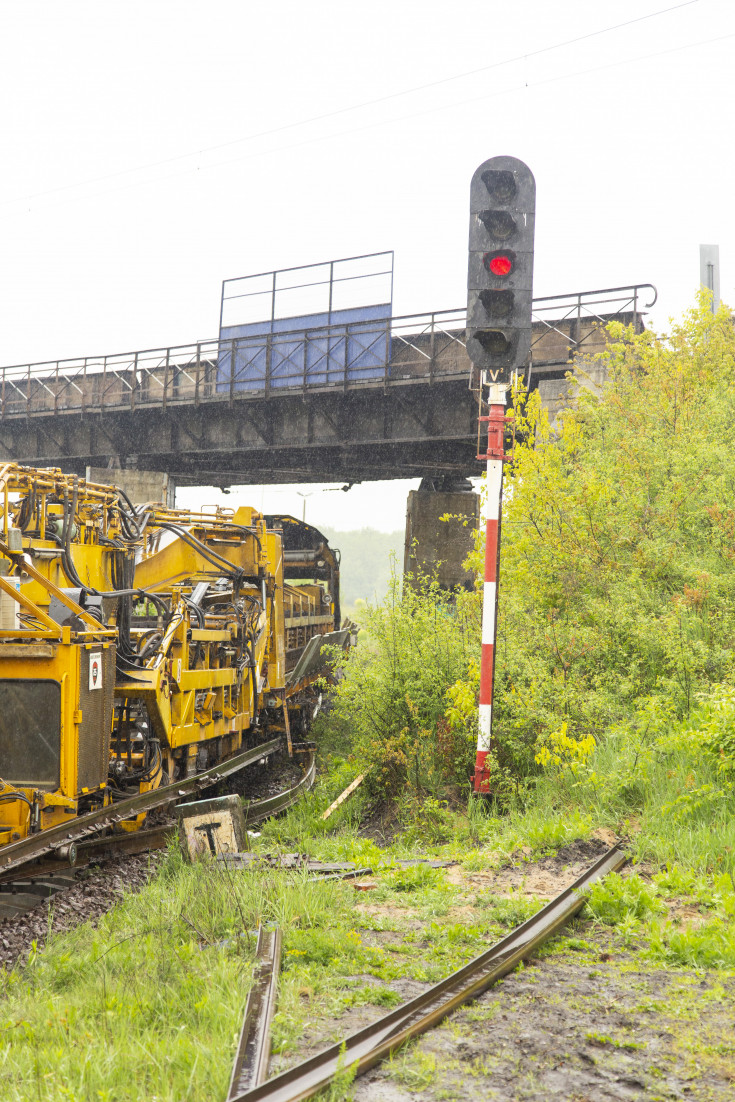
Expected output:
{"points": [[141, 645]]}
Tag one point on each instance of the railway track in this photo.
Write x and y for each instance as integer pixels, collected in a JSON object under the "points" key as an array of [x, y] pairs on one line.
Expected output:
{"points": [[20, 894], [367, 1047], [363, 1049], [62, 840], [41, 867]]}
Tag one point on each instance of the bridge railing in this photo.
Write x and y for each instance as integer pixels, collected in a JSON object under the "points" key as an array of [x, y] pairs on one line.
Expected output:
{"points": [[364, 354], [413, 348], [569, 325]]}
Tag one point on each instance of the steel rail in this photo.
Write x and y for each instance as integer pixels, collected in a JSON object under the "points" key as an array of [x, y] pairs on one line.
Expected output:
{"points": [[117, 845], [367, 1047], [23, 890], [43, 881], [258, 810], [19, 853], [253, 1052]]}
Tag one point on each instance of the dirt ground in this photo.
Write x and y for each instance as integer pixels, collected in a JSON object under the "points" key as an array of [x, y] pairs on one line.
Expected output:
{"points": [[585, 1021], [563, 1030], [588, 1019]]}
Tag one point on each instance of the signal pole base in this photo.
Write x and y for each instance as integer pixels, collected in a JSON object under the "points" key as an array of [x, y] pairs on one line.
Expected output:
{"points": [[481, 783]]}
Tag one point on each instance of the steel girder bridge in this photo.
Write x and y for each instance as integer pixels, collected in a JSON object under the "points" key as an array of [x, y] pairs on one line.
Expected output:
{"points": [[290, 406]]}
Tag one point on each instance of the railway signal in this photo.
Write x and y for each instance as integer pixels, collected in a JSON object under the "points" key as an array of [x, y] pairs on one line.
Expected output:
{"points": [[499, 297], [500, 276]]}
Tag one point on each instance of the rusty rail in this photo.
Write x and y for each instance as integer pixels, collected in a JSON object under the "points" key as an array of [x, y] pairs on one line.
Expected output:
{"points": [[257, 810], [64, 835], [117, 845], [36, 882], [367, 1047], [43, 881], [253, 1052]]}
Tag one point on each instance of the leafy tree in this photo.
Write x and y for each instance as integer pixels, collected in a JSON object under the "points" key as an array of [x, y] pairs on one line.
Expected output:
{"points": [[617, 582], [392, 692], [365, 569], [617, 571]]}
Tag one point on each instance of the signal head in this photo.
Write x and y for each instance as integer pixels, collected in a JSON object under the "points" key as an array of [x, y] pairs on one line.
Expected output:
{"points": [[500, 278]]}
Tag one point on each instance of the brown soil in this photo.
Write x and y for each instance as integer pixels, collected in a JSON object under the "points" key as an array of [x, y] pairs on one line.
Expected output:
{"points": [[592, 1022], [561, 1031]]}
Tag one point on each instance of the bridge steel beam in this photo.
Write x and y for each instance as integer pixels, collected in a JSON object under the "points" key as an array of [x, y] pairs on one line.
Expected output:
{"points": [[192, 410], [417, 430]]}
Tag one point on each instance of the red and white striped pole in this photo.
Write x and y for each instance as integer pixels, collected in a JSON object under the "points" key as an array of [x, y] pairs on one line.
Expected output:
{"points": [[495, 456]]}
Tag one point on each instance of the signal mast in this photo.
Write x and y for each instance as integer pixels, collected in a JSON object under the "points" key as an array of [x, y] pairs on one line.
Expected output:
{"points": [[499, 304]]}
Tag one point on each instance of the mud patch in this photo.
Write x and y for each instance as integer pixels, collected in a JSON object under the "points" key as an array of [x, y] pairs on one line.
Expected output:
{"points": [[563, 1029], [380, 825], [584, 1021], [541, 879]]}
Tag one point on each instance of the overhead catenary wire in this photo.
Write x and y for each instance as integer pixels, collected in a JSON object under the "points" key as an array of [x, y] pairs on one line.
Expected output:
{"points": [[324, 116]]}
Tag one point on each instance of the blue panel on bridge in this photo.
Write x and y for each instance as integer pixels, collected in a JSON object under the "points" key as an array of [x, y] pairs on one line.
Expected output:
{"points": [[311, 350]]}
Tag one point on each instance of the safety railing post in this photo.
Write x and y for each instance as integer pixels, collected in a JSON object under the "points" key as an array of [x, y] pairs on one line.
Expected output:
{"points": [[165, 379], [135, 381], [432, 348], [198, 373]]}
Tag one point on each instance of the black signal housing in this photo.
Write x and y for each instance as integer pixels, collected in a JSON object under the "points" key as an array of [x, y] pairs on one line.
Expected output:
{"points": [[500, 274]]}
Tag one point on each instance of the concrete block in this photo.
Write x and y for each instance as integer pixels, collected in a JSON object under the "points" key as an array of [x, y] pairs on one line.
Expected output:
{"points": [[140, 486], [211, 827]]}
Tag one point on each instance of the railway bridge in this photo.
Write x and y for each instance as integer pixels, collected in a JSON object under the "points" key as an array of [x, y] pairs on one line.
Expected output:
{"points": [[384, 399]]}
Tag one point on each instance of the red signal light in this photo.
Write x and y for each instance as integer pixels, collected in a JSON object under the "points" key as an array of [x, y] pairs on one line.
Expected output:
{"points": [[500, 265]]}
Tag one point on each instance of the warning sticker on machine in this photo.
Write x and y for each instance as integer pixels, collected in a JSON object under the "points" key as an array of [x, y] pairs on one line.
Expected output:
{"points": [[95, 671]]}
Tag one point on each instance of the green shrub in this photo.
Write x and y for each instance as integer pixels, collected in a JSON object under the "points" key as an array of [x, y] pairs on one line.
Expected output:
{"points": [[413, 878], [391, 695], [711, 945], [617, 898]]}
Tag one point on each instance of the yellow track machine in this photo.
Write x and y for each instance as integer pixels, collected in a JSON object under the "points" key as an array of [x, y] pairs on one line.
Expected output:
{"points": [[141, 645]]}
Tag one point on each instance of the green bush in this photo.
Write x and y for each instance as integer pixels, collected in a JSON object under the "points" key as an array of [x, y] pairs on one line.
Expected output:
{"points": [[617, 565], [615, 656], [616, 898], [670, 777], [391, 696]]}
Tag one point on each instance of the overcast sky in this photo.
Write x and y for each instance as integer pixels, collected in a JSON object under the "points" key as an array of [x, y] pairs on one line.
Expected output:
{"points": [[152, 149]]}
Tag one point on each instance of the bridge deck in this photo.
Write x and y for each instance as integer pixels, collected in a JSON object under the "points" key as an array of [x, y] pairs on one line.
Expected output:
{"points": [[394, 402]]}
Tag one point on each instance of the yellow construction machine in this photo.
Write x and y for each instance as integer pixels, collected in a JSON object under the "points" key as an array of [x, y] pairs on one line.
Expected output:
{"points": [[140, 645]]}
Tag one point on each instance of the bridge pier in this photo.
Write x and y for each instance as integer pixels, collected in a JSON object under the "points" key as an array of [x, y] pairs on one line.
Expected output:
{"points": [[435, 546], [140, 486], [559, 394]]}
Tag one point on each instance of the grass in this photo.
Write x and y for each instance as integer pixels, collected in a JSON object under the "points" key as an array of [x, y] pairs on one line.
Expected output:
{"points": [[149, 1003], [666, 784], [637, 909], [413, 1068]]}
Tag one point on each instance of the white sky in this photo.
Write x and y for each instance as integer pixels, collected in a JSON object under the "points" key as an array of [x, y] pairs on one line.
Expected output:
{"points": [[151, 149]]}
